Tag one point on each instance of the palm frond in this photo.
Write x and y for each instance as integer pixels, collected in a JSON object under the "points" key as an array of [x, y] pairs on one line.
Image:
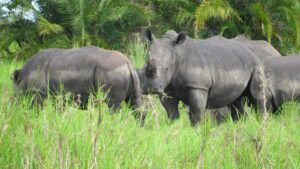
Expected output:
{"points": [[185, 17], [116, 14], [292, 21], [45, 27], [119, 11], [102, 4], [263, 17], [295, 26], [214, 9]]}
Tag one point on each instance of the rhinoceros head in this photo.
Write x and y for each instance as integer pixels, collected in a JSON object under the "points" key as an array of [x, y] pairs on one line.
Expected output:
{"points": [[161, 63]]}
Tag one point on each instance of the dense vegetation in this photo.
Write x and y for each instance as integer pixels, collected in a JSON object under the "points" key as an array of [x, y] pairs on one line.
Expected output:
{"points": [[66, 137], [59, 136], [27, 26]]}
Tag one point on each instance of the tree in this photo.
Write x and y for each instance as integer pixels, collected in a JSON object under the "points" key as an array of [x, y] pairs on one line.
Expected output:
{"points": [[274, 20], [87, 20]]}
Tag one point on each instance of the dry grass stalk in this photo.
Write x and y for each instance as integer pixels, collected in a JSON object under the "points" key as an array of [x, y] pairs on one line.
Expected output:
{"points": [[154, 113], [5, 126], [234, 147], [95, 137], [60, 152], [264, 86], [201, 156], [205, 137], [27, 165]]}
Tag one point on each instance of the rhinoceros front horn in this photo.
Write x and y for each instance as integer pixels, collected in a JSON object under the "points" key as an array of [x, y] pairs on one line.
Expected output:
{"points": [[151, 68]]}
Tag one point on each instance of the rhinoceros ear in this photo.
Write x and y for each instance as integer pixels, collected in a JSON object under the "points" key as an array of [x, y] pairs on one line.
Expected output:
{"points": [[148, 35], [180, 38]]}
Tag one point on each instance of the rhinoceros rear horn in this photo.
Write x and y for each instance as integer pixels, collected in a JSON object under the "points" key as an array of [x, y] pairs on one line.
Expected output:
{"points": [[147, 34], [180, 38], [16, 76]]}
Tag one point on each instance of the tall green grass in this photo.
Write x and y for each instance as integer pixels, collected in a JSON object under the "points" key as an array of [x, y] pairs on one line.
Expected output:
{"points": [[54, 137]]}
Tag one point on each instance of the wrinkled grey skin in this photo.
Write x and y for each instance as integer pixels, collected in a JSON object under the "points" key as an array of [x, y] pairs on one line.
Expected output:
{"points": [[210, 73], [80, 71], [282, 84], [260, 48], [37, 62]]}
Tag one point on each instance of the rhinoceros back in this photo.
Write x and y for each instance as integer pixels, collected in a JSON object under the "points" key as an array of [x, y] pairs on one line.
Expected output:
{"points": [[84, 69], [34, 72], [223, 66]]}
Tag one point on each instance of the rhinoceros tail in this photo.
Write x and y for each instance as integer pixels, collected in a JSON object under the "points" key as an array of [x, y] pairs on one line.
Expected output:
{"points": [[16, 76], [136, 95], [136, 92]]}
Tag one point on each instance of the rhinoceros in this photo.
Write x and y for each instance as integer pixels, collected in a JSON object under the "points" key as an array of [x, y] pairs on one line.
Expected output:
{"points": [[260, 48], [80, 71], [275, 82], [263, 50], [210, 73]]}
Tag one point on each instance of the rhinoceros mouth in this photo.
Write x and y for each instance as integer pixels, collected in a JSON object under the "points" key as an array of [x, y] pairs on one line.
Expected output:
{"points": [[158, 92]]}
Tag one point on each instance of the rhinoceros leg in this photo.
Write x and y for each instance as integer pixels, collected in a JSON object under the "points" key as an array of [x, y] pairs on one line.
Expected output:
{"points": [[220, 114], [171, 106], [37, 98], [197, 100], [136, 103], [113, 105], [260, 105], [237, 109]]}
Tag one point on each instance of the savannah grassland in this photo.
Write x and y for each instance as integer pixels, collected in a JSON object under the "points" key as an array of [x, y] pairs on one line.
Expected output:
{"points": [[59, 136]]}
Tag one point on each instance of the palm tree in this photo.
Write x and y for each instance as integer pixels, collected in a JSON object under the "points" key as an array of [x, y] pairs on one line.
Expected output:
{"points": [[195, 14], [273, 19], [186, 17], [213, 9], [85, 19]]}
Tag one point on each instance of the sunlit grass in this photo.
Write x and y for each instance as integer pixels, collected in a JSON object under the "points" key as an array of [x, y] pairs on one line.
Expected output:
{"points": [[57, 136]]}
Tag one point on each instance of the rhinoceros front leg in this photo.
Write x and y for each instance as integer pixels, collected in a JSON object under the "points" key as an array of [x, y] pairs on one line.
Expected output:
{"points": [[114, 105], [261, 106], [197, 100], [237, 109], [38, 99], [171, 106]]}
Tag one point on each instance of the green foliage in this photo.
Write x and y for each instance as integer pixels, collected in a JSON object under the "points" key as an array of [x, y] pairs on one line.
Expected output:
{"points": [[65, 137], [263, 17], [44, 27], [210, 9], [37, 24], [274, 20], [14, 47], [137, 51]]}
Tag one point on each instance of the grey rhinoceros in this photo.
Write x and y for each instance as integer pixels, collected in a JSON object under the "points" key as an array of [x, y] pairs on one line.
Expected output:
{"points": [[80, 71], [260, 48], [275, 82], [210, 73]]}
